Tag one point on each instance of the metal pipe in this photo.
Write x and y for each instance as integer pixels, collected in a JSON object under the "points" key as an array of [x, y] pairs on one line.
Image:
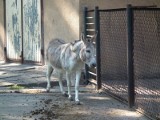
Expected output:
{"points": [[85, 34], [22, 44], [131, 94], [42, 33], [5, 40], [98, 56]]}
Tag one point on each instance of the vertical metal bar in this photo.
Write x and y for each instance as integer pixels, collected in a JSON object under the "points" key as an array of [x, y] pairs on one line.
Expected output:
{"points": [[5, 40], [5, 54], [98, 58], [22, 56], [131, 94], [85, 34], [42, 33]]}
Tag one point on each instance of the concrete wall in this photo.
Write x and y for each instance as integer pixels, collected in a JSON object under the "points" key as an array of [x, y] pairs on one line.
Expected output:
{"points": [[110, 4], [1, 30], [61, 20]]}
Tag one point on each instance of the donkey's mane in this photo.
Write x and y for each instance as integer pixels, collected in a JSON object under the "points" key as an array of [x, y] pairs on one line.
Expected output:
{"points": [[74, 42]]}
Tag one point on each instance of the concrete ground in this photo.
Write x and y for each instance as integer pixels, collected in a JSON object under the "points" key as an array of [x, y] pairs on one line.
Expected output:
{"points": [[23, 97]]}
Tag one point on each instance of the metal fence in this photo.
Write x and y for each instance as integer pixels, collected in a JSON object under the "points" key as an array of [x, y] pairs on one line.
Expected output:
{"points": [[113, 52], [147, 60], [128, 55]]}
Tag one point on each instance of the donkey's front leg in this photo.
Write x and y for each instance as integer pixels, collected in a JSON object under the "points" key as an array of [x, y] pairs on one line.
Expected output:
{"points": [[78, 76], [68, 77]]}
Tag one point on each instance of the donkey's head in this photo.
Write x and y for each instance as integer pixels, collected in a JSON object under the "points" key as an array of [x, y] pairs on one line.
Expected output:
{"points": [[88, 51]]}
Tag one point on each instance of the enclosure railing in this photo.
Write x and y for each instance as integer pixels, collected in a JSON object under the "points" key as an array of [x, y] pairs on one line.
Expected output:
{"points": [[91, 26], [128, 55]]}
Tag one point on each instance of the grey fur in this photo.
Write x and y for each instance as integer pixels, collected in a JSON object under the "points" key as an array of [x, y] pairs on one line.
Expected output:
{"points": [[69, 58]]}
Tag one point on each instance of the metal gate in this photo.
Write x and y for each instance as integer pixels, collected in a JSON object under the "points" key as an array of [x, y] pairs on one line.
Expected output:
{"points": [[23, 30], [128, 55]]}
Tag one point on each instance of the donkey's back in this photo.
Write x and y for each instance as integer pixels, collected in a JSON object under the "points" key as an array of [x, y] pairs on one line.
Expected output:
{"points": [[54, 43], [54, 51]]}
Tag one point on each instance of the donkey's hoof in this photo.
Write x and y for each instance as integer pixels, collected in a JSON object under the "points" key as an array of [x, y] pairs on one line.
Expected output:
{"points": [[47, 90], [77, 102], [65, 94], [70, 98]]}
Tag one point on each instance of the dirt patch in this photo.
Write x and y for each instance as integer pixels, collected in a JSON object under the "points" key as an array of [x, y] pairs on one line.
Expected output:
{"points": [[54, 106], [51, 108], [93, 107], [33, 103]]}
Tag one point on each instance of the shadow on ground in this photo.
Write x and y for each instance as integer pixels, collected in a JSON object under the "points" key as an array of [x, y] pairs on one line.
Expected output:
{"points": [[24, 97]]}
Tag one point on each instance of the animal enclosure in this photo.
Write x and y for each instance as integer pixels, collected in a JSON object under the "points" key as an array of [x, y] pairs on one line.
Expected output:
{"points": [[128, 55]]}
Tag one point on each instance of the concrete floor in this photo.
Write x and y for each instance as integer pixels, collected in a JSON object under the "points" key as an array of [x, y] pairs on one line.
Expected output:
{"points": [[23, 97]]}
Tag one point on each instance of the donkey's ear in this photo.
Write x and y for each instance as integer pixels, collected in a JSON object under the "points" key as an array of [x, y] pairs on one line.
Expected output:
{"points": [[82, 36], [94, 36]]}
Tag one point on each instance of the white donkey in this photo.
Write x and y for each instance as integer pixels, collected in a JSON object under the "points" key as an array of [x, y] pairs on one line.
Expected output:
{"points": [[70, 58]]}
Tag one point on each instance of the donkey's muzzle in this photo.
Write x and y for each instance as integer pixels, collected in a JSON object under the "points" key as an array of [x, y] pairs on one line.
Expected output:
{"points": [[93, 65]]}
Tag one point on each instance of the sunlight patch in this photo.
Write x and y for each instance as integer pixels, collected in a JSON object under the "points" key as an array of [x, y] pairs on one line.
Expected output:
{"points": [[98, 98]]}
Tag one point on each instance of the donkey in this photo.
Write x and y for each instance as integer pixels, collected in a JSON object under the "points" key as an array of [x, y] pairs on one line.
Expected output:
{"points": [[69, 58]]}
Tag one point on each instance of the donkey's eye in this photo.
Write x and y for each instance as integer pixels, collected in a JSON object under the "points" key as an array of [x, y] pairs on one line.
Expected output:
{"points": [[88, 51]]}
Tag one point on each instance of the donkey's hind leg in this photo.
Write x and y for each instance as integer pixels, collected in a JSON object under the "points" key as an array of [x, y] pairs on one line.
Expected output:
{"points": [[60, 76], [49, 73]]}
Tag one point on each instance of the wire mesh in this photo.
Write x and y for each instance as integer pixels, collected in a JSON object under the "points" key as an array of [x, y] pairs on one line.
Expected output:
{"points": [[113, 49], [114, 52], [147, 60]]}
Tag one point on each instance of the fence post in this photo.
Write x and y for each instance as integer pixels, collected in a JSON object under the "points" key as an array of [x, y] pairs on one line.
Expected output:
{"points": [[42, 33], [5, 54], [98, 59], [131, 94], [85, 34], [5, 43]]}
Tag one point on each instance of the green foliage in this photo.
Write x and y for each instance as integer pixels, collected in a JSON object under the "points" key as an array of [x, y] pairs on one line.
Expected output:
{"points": [[16, 87]]}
